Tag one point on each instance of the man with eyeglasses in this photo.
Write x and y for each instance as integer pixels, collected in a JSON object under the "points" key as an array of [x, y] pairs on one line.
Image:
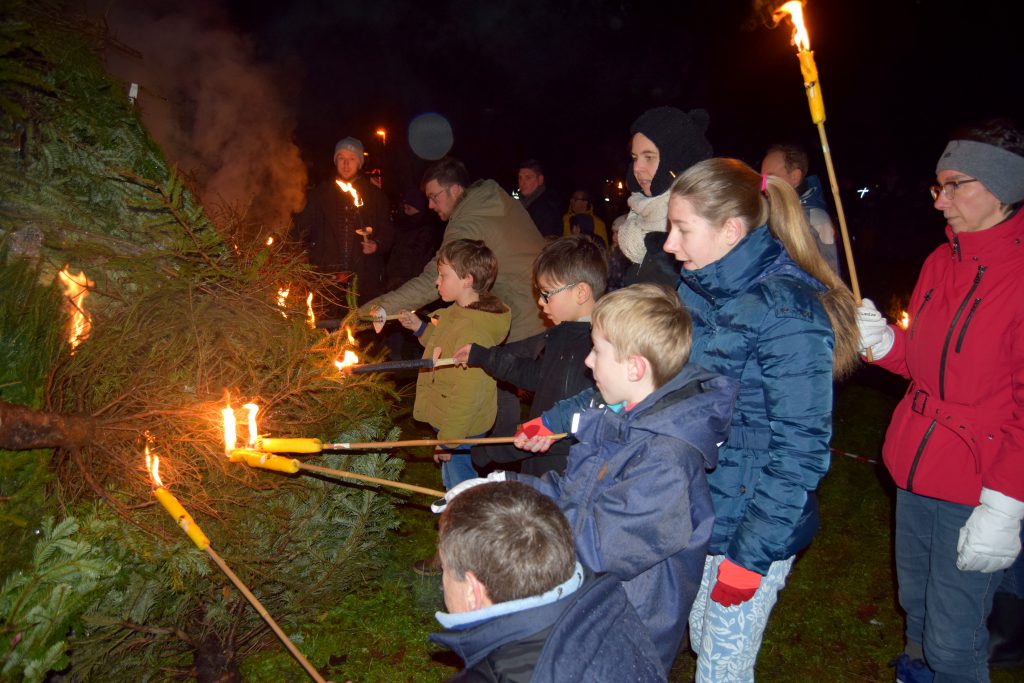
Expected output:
{"points": [[480, 211]]}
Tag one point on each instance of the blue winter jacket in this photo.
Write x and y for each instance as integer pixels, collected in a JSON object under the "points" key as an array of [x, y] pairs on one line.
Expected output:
{"points": [[636, 495], [593, 635], [757, 318]]}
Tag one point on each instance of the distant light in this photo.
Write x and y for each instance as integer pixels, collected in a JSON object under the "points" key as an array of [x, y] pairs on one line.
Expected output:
{"points": [[863, 191], [607, 200]]}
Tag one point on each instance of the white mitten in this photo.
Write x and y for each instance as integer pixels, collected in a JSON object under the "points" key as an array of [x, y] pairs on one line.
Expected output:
{"points": [[990, 539], [438, 506], [875, 333]]}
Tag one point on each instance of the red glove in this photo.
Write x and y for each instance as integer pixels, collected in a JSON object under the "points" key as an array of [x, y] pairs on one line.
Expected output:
{"points": [[735, 584], [534, 427]]}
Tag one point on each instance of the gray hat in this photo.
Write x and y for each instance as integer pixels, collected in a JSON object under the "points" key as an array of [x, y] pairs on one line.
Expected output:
{"points": [[349, 143], [999, 170]]}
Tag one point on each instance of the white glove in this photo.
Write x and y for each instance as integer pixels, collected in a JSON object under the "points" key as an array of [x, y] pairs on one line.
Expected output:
{"points": [[379, 316], [875, 333], [990, 539], [438, 506]]}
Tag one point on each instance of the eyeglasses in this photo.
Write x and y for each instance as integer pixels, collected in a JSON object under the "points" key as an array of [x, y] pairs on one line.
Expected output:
{"points": [[433, 197], [949, 189], [547, 295]]}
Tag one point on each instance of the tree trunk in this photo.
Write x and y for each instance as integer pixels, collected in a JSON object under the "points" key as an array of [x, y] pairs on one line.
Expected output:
{"points": [[22, 428]]}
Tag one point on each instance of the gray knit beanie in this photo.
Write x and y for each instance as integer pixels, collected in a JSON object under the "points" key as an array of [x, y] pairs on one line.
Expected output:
{"points": [[350, 143]]}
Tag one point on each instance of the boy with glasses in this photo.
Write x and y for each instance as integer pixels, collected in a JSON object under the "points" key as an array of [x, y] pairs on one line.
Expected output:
{"points": [[570, 274]]}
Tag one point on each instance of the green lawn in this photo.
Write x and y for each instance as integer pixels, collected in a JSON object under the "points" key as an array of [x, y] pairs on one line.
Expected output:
{"points": [[836, 620]]}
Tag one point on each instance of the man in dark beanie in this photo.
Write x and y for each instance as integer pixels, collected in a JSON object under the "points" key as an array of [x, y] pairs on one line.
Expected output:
{"points": [[327, 227], [665, 142]]}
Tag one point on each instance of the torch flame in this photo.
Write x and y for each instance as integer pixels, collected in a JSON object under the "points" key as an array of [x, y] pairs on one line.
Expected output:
{"points": [[795, 10], [153, 465], [253, 430], [76, 287], [904, 320], [347, 187], [349, 359], [310, 317], [230, 434]]}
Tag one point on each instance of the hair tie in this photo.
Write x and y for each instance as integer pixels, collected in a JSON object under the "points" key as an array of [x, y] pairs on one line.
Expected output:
{"points": [[764, 182]]}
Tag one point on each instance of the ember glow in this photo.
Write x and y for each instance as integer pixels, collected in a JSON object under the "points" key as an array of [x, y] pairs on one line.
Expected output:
{"points": [[347, 187], [904, 320], [76, 287], [310, 317], [153, 466], [795, 11], [349, 359], [254, 432]]}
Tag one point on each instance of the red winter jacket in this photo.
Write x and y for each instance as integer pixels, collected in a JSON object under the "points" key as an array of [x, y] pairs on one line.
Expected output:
{"points": [[961, 424]]}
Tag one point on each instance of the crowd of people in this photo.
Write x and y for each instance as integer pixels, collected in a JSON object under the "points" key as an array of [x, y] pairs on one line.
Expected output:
{"points": [[682, 369]]}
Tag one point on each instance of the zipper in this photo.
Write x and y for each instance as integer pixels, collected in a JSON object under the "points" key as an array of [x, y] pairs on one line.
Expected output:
{"points": [[917, 456], [956, 248], [967, 321], [952, 326], [913, 325]]}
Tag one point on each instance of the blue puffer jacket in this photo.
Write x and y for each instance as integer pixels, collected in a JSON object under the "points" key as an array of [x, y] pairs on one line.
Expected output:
{"points": [[636, 495], [757, 319]]}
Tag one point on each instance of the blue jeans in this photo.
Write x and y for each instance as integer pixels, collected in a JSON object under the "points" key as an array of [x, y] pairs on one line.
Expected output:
{"points": [[459, 468], [946, 608]]}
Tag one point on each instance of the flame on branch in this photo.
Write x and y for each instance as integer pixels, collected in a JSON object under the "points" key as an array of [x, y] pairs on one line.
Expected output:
{"points": [[76, 287]]}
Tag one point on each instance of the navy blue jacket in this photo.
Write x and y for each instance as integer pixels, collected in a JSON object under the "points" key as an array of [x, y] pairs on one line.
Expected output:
{"points": [[592, 635], [636, 495], [757, 319], [559, 373]]}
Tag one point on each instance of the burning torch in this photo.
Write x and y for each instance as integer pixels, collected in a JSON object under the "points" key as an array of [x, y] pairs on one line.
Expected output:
{"points": [[802, 41], [183, 519]]}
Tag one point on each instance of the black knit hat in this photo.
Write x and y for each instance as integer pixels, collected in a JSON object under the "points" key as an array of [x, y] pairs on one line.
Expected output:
{"points": [[679, 137]]}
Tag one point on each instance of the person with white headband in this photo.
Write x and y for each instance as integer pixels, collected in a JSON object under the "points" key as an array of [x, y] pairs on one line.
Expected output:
{"points": [[955, 446]]}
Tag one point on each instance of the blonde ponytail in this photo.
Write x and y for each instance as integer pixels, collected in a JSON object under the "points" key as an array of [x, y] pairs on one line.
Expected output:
{"points": [[720, 189]]}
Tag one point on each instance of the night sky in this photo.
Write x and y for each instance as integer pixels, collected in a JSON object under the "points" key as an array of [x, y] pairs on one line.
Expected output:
{"points": [[561, 81]]}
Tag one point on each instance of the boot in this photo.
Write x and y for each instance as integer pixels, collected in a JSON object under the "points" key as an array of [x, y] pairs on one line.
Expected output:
{"points": [[911, 670], [1006, 632]]}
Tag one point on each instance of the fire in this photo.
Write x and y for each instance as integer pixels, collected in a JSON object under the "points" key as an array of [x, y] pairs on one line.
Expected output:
{"points": [[351, 337], [348, 360], [795, 10], [904, 320], [310, 317], [76, 287], [282, 298], [253, 430], [270, 240], [230, 429], [153, 466], [347, 187]]}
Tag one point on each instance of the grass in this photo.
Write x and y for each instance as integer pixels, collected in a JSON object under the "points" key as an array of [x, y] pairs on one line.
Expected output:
{"points": [[836, 620]]}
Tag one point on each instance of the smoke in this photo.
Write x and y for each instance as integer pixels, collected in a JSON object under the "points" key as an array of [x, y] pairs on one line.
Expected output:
{"points": [[216, 112]]}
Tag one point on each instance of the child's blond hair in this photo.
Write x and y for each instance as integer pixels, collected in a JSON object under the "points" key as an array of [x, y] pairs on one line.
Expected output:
{"points": [[646, 320]]}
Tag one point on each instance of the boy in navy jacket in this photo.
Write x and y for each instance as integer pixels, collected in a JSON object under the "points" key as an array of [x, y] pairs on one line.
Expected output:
{"points": [[635, 490]]}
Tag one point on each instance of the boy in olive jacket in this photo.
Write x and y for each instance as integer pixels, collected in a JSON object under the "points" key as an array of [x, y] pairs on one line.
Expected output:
{"points": [[459, 403]]}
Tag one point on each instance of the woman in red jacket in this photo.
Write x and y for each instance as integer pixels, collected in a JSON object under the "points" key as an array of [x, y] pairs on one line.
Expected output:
{"points": [[955, 446]]}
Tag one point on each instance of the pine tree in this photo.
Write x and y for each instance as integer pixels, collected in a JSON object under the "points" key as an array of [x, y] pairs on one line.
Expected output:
{"points": [[181, 313]]}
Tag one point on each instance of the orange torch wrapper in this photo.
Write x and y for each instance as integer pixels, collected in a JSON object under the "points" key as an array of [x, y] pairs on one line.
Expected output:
{"points": [[181, 516], [289, 445], [265, 461], [810, 73]]}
